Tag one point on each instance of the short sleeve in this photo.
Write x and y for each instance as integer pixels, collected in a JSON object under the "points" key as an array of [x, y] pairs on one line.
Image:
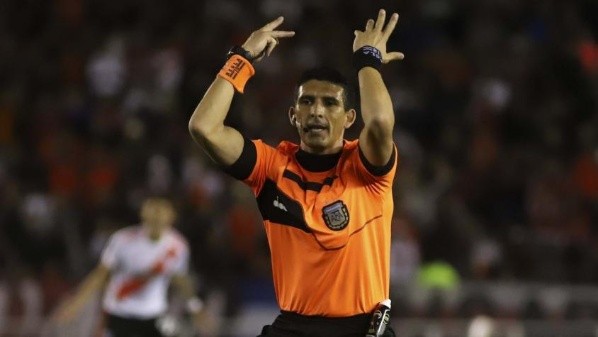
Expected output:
{"points": [[378, 178], [265, 157], [242, 168]]}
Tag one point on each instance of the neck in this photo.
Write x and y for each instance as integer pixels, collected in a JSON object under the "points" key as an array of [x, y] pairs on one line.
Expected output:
{"points": [[153, 235]]}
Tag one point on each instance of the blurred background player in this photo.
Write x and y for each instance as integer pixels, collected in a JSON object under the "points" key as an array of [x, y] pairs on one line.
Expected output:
{"points": [[138, 264]]}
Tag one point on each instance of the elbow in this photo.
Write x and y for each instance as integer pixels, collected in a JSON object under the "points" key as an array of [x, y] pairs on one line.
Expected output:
{"points": [[382, 125], [379, 129], [198, 130], [204, 134], [195, 129]]}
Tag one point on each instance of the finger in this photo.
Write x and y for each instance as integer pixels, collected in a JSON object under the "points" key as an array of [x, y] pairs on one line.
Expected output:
{"points": [[390, 27], [369, 25], [272, 42], [282, 33], [273, 24], [380, 20], [260, 56], [394, 56]]}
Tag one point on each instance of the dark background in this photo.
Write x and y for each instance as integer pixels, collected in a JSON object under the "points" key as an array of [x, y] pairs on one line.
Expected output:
{"points": [[497, 128]]}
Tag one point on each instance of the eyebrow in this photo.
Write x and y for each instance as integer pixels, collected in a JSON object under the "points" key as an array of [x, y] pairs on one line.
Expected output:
{"points": [[323, 97]]}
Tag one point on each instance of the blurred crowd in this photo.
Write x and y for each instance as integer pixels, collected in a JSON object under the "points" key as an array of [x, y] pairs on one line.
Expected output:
{"points": [[497, 129]]}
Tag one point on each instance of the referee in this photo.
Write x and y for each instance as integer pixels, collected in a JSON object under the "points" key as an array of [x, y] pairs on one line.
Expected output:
{"points": [[326, 202]]}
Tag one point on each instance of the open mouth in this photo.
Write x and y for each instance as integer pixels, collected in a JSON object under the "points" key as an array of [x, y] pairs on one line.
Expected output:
{"points": [[315, 128]]}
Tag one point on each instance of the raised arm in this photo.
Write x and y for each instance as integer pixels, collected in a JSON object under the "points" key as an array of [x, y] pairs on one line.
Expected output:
{"points": [[223, 143], [376, 106]]}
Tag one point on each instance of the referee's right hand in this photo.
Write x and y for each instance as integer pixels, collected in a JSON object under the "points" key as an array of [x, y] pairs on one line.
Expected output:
{"points": [[262, 41]]}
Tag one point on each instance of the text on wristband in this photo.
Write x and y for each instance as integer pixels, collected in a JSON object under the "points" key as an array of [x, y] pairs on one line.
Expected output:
{"points": [[235, 68]]}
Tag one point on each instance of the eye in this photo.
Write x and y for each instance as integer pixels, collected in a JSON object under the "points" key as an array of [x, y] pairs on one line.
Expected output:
{"points": [[330, 102], [305, 100]]}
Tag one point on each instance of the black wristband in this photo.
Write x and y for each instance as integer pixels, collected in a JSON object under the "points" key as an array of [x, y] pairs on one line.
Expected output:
{"points": [[238, 50], [367, 56]]}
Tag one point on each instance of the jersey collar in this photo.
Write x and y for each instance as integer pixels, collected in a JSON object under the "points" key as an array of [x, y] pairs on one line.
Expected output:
{"points": [[317, 162]]}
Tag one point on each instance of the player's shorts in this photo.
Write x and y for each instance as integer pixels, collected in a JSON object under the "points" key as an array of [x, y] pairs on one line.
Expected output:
{"points": [[129, 327]]}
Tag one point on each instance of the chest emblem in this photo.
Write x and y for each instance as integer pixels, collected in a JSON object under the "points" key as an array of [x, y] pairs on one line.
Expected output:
{"points": [[336, 215], [279, 205]]}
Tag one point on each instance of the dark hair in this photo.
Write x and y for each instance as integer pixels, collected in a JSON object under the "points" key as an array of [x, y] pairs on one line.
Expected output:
{"points": [[331, 75]]}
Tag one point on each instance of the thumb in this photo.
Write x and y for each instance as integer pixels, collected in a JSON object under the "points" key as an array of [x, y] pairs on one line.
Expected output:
{"points": [[394, 56]]}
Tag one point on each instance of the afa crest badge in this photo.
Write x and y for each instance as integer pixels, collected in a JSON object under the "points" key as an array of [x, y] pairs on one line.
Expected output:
{"points": [[336, 215]]}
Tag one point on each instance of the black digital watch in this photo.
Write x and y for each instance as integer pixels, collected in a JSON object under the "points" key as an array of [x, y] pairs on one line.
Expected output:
{"points": [[238, 50]]}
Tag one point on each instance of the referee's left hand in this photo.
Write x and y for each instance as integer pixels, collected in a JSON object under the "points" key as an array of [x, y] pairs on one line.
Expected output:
{"points": [[376, 35]]}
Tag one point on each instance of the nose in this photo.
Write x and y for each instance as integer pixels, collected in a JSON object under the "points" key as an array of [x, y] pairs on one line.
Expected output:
{"points": [[317, 109]]}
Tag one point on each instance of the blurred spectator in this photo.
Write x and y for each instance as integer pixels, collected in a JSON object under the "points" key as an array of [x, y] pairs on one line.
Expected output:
{"points": [[405, 253], [21, 302]]}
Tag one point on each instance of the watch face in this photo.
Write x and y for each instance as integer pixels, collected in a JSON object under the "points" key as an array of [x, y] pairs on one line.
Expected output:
{"points": [[239, 51]]}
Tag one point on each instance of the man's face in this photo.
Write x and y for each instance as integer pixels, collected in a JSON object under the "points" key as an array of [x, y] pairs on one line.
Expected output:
{"points": [[158, 215], [320, 117]]}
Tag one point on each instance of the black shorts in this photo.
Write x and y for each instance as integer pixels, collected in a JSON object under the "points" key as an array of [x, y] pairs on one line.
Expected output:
{"points": [[289, 324], [117, 326]]}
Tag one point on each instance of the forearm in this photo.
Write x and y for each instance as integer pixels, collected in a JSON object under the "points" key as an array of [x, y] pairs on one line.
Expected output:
{"points": [[376, 104], [184, 286], [95, 281]]}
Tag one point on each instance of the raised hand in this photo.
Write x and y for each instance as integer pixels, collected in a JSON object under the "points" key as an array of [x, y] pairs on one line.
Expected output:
{"points": [[376, 35], [262, 41]]}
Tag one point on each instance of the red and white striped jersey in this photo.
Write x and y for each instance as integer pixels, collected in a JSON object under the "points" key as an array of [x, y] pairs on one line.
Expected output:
{"points": [[140, 271]]}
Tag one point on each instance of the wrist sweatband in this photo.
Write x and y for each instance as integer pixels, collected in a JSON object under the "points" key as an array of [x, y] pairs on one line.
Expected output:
{"points": [[237, 70], [194, 305], [367, 56]]}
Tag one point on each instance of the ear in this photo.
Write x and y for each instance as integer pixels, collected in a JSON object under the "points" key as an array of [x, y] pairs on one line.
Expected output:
{"points": [[292, 117], [351, 117]]}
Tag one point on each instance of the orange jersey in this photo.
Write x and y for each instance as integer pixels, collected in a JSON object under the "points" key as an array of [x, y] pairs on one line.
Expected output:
{"points": [[329, 232]]}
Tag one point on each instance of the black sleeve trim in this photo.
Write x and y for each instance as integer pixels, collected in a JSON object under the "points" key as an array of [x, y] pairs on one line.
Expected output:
{"points": [[378, 171], [242, 168]]}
